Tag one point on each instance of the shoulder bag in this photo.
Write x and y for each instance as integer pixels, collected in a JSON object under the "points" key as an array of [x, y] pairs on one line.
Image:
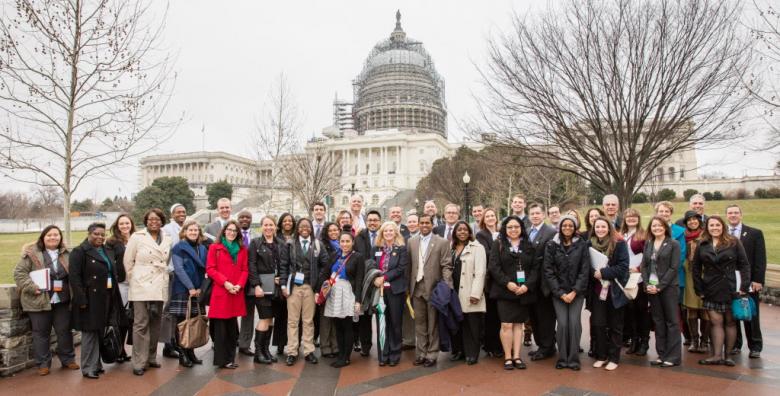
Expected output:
{"points": [[193, 332]]}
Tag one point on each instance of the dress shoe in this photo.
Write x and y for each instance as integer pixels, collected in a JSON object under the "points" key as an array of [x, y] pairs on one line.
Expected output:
{"points": [[456, 356], [169, 352], [194, 359], [311, 358], [382, 363], [540, 356], [246, 352], [43, 371], [339, 364], [519, 364], [291, 360], [90, 375], [72, 366], [599, 363], [393, 363], [231, 366], [754, 354], [419, 361], [471, 361], [429, 362], [575, 367], [611, 366], [100, 371], [364, 353], [356, 347], [729, 362], [560, 365], [735, 351], [138, 371], [153, 365]]}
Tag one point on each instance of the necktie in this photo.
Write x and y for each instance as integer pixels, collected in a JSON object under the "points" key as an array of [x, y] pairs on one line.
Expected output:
{"points": [[734, 232], [534, 231], [449, 233], [305, 246], [317, 228], [373, 238], [421, 261], [246, 237]]}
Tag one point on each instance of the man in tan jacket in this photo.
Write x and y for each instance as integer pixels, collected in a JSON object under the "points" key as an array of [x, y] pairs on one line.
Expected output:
{"points": [[431, 261]]}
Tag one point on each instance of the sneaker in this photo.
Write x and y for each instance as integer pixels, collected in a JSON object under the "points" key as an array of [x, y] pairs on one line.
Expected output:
{"points": [[611, 366]]}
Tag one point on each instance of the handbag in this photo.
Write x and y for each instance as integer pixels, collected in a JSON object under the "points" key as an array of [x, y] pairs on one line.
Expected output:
{"points": [[205, 291], [110, 347], [743, 308], [631, 289], [193, 332], [268, 284]]}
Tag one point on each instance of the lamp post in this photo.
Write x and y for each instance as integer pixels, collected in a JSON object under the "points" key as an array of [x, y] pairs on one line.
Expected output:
{"points": [[466, 198]]}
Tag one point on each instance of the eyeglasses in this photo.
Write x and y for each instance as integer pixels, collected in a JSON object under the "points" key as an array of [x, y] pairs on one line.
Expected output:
{"points": [[512, 227], [233, 230], [153, 220]]}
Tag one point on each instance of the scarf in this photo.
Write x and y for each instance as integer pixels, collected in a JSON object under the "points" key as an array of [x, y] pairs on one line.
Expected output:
{"points": [[232, 247], [601, 246], [691, 235]]}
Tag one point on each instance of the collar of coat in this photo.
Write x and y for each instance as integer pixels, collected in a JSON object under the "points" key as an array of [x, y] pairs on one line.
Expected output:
{"points": [[163, 235], [185, 247], [35, 255]]}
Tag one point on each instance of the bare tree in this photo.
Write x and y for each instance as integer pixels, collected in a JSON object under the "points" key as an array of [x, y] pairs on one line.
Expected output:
{"points": [[14, 205], [311, 176], [276, 134], [765, 31], [610, 89], [83, 87]]}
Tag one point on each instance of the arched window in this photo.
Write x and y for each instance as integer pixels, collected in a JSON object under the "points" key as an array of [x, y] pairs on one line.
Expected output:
{"points": [[375, 199], [671, 173]]}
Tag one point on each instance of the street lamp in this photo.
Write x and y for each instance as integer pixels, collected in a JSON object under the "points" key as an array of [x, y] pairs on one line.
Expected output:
{"points": [[466, 200]]}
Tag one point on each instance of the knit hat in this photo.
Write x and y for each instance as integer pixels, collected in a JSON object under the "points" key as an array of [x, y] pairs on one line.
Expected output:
{"points": [[176, 205], [569, 217]]}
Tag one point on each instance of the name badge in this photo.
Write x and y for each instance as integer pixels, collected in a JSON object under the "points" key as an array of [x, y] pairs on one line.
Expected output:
{"points": [[378, 254], [520, 276], [299, 278], [57, 285], [653, 279], [108, 283]]}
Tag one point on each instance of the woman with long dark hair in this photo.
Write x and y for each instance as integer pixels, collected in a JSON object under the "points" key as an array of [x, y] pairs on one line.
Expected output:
{"points": [[659, 266], [47, 308], [697, 317], [590, 217], [285, 228], [227, 266], [514, 275], [718, 259], [636, 323], [566, 270], [488, 233], [607, 300], [189, 269], [327, 327], [121, 230], [468, 277]]}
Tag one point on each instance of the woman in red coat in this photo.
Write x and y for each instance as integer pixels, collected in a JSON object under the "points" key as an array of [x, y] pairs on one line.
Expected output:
{"points": [[227, 267]]}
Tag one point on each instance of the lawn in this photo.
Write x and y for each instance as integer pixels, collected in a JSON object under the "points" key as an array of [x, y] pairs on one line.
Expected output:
{"points": [[760, 213]]}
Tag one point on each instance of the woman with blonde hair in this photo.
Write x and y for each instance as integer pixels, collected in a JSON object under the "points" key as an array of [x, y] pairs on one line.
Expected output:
{"points": [[391, 258]]}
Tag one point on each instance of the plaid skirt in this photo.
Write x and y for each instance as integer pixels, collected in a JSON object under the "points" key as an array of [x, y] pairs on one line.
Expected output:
{"points": [[178, 305], [721, 307]]}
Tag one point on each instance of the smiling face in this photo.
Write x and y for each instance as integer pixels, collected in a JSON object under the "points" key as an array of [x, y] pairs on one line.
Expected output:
{"points": [[125, 225], [462, 233], [97, 237], [269, 228], [179, 215], [388, 235], [153, 222], [356, 204], [333, 232], [318, 213], [593, 214], [396, 214], [192, 232], [345, 219], [734, 215], [224, 208], [567, 228], [664, 212], [304, 229], [714, 228], [518, 205], [231, 232], [52, 239], [554, 214], [430, 208], [632, 221], [373, 222], [490, 218], [451, 214], [693, 223], [601, 228], [425, 225], [412, 223], [513, 229], [536, 214], [697, 204], [346, 242], [245, 220], [477, 212], [611, 206], [658, 229], [287, 224]]}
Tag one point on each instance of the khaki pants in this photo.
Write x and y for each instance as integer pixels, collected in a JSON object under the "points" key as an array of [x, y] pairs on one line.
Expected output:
{"points": [[300, 307], [146, 332], [426, 328]]}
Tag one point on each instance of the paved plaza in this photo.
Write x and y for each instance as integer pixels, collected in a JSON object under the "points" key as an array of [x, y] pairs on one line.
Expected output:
{"points": [[634, 377]]}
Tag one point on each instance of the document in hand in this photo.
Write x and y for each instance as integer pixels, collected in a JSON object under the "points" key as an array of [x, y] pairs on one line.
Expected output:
{"points": [[41, 278], [635, 261], [597, 259]]}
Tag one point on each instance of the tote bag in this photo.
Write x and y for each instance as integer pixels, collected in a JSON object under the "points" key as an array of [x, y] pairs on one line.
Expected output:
{"points": [[193, 332]]}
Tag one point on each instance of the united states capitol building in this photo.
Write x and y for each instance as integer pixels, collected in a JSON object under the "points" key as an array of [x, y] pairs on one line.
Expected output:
{"points": [[385, 140]]}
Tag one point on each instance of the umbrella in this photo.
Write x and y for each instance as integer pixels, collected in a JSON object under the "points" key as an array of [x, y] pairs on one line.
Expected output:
{"points": [[380, 319]]}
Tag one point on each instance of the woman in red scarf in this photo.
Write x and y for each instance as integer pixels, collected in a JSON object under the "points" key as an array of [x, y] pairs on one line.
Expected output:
{"points": [[696, 314]]}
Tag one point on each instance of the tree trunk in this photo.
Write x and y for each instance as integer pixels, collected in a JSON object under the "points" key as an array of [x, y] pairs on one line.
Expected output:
{"points": [[66, 216]]}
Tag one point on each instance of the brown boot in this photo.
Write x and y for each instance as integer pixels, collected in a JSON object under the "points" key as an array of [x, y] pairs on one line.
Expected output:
{"points": [[72, 366], [43, 371]]}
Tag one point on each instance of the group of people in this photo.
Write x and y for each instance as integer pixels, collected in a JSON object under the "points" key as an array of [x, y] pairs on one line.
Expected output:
{"points": [[432, 283]]}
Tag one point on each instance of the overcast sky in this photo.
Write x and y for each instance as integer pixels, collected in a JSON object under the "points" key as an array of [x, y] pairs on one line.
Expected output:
{"points": [[230, 52]]}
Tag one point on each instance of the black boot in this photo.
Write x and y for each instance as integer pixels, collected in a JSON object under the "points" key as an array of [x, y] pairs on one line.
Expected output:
{"points": [[260, 357], [643, 347], [184, 360], [169, 351], [267, 345], [633, 346], [191, 354]]}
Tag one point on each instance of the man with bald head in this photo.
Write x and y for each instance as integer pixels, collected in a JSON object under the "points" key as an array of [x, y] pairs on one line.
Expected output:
{"points": [[611, 206], [396, 215], [430, 209], [356, 209]]}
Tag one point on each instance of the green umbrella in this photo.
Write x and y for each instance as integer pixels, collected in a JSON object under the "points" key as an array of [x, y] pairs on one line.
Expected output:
{"points": [[380, 318]]}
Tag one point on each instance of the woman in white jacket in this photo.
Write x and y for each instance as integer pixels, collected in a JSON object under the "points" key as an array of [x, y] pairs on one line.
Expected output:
{"points": [[468, 277], [146, 264]]}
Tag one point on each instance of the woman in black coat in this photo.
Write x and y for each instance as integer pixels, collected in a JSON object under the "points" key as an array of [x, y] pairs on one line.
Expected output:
{"points": [[488, 232], [94, 275], [715, 263], [391, 258], [514, 275], [263, 257], [566, 270], [660, 262], [121, 231]]}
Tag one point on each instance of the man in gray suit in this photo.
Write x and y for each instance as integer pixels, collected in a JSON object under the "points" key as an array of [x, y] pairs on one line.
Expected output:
{"points": [[431, 261], [247, 330], [224, 208], [542, 313]]}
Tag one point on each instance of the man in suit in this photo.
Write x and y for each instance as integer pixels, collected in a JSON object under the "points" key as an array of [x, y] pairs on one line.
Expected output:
{"points": [[542, 313], [356, 209], [413, 225], [318, 210], [247, 330], [430, 209], [364, 243], [554, 216], [430, 261], [299, 273], [396, 215], [408, 322], [167, 323], [696, 204], [518, 209], [224, 209], [451, 215], [476, 213], [755, 250], [611, 206]]}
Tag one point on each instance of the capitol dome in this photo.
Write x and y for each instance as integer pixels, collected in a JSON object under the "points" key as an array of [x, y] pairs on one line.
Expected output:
{"points": [[399, 88]]}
